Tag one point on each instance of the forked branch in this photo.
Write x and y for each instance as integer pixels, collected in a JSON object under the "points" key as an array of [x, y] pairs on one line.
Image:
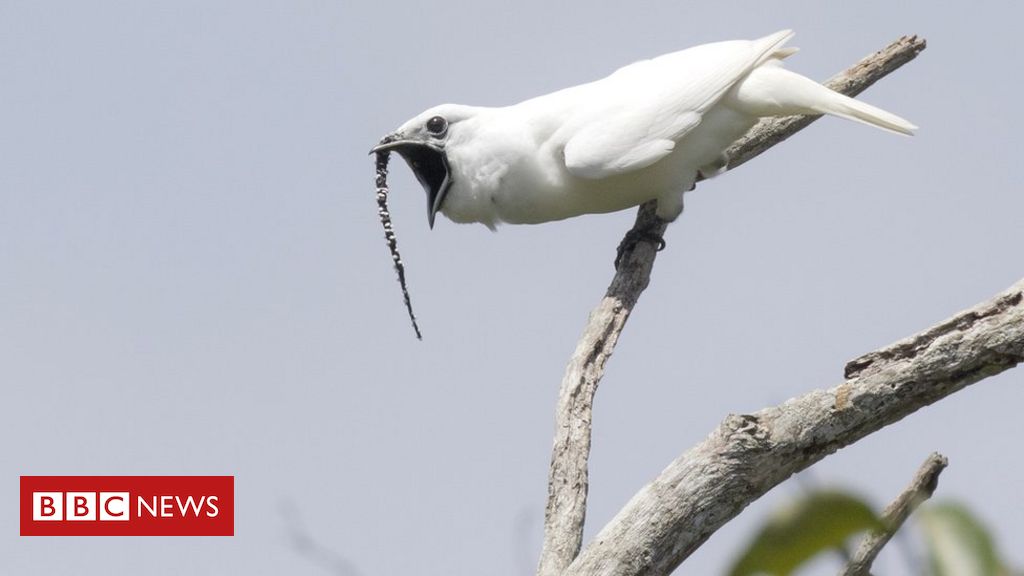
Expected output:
{"points": [[568, 477], [749, 454]]}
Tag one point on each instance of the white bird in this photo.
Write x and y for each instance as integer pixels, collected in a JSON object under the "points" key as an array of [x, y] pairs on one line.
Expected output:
{"points": [[645, 132]]}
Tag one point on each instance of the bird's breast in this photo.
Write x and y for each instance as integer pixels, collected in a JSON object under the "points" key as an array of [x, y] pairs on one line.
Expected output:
{"points": [[525, 181], [536, 189]]}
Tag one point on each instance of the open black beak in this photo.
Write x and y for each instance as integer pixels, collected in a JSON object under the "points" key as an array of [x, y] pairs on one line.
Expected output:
{"points": [[428, 162]]}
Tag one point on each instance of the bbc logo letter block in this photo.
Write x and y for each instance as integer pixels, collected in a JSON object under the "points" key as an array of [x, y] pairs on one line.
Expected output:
{"points": [[127, 505]]}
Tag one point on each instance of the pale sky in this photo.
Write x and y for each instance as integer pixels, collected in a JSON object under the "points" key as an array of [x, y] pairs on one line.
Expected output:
{"points": [[193, 279]]}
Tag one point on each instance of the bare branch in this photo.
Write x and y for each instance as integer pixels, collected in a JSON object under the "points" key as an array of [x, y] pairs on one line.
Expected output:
{"points": [[568, 481], [749, 454], [920, 489]]}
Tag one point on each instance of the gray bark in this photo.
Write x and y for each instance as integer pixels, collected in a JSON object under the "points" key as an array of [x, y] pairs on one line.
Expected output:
{"points": [[749, 454], [568, 478]]}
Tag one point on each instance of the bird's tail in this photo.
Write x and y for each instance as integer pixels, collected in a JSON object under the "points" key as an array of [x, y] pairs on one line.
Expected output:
{"points": [[771, 90]]}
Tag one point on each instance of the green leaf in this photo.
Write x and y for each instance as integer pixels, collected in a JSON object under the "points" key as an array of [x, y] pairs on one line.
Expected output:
{"points": [[958, 544], [820, 521]]}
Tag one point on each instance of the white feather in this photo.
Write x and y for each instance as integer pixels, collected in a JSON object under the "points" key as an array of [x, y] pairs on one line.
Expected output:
{"points": [[775, 91], [634, 117], [644, 132]]}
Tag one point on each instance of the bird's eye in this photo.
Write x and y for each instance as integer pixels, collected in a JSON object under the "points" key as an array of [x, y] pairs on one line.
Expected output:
{"points": [[437, 125]]}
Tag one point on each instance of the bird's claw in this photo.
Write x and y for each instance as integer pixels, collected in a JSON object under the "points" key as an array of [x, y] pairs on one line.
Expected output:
{"points": [[632, 238]]}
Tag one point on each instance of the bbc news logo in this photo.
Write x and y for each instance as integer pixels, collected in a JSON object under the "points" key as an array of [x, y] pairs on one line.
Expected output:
{"points": [[127, 505]]}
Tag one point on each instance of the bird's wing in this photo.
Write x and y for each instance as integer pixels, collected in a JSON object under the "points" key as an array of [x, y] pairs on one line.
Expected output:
{"points": [[634, 117]]}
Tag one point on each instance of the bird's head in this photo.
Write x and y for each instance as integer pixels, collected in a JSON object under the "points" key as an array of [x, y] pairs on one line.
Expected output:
{"points": [[422, 142]]}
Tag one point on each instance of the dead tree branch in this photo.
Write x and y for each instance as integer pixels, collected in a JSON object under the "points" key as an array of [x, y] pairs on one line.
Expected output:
{"points": [[568, 477], [920, 489], [749, 454]]}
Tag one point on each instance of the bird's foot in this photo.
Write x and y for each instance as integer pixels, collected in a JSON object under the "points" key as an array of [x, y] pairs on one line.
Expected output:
{"points": [[632, 238]]}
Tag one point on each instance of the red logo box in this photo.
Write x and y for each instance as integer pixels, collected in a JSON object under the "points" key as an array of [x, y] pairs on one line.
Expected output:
{"points": [[127, 505]]}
